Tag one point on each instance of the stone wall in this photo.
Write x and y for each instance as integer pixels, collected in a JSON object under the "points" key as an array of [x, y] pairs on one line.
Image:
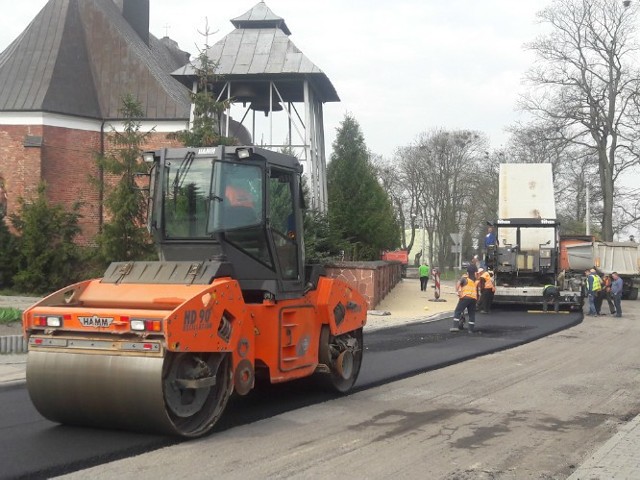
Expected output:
{"points": [[374, 280]]}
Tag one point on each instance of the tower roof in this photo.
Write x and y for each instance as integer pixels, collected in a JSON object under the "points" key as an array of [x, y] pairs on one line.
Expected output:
{"points": [[260, 16], [80, 57], [260, 48]]}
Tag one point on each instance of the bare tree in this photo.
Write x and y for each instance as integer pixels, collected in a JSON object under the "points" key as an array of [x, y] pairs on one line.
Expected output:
{"points": [[399, 181], [585, 90], [448, 166], [575, 171]]}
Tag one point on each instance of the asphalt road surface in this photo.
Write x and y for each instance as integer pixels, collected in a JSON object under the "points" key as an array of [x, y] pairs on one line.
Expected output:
{"points": [[36, 448]]}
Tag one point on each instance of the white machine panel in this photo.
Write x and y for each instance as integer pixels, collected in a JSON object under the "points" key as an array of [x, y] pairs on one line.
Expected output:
{"points": [[526, 191]]}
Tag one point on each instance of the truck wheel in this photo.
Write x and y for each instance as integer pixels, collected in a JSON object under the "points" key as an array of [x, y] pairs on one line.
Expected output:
{"points": [[633, 294], [343, 356]]}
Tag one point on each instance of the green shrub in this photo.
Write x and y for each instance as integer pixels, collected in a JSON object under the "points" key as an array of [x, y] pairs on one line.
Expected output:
{"points": [[8, 252], [9, 315], [47, 258]]}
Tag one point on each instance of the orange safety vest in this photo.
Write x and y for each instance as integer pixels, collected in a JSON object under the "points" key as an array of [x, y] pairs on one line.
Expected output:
{"points": [[464, 277], [469, 290], [488, 282]]}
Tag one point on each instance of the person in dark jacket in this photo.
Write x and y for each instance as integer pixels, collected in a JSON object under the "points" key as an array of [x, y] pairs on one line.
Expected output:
{"points": [[616, 292], [607, 293], [472, 268]]}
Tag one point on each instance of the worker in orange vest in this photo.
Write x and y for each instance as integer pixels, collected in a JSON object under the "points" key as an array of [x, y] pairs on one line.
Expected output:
{"points": [[468, 293], [486, 289]]}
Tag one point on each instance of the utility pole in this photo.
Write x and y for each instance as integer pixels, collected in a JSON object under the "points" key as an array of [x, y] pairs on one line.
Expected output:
{"points": [[424, 232], [588, 214]]}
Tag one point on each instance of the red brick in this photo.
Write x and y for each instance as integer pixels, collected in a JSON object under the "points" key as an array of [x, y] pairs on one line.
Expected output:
{"points": [[66, 162]]}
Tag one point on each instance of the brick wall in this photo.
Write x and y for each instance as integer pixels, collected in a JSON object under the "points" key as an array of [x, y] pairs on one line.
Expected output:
{"points": [[68, 164], [374, 280], [66, 160], [20, 166]]}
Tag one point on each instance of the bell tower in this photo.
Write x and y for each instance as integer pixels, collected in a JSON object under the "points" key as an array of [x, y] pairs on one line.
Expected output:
{"points": [[274, 91]]}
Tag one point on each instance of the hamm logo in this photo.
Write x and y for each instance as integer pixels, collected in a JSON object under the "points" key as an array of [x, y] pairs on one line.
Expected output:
{"points": [[95, 321]]}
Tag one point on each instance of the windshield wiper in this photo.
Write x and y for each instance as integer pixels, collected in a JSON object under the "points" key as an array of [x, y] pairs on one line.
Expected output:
{"points": [[181, 174]]}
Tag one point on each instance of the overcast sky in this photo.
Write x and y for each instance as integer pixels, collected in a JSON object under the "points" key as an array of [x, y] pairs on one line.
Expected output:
{"points": [[400, 67]]}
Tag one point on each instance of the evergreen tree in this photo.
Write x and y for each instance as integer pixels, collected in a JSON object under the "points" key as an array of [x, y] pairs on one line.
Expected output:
{"points": [[206, 130], [124, 237], [8, 253], [321, 243], [47, 258], [359, 208]]}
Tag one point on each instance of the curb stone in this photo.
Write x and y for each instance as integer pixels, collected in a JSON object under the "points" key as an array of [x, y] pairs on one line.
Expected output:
{"points": [[13, 344]]}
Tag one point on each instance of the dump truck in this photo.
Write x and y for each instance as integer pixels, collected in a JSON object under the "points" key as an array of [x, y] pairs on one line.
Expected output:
{"points": [[526, 257], [160, 346], [578, 253]]}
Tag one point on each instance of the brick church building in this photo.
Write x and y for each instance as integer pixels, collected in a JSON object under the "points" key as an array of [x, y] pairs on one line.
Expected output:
{"points": [[61, 87]]}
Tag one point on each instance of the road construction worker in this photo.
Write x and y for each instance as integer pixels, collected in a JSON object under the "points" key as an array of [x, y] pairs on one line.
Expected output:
{"points": [[600, 294], [550, 293], [486, 289], [617, 285], [490, 244], [593, 286], [607, 280], [468, 293], [472, 268]]}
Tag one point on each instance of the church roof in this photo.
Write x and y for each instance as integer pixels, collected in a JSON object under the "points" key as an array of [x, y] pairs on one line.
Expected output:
{"points": [[260, 48], [80, 57]]}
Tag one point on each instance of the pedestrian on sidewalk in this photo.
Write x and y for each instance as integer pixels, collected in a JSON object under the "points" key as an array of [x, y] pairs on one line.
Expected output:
{"points": [[423, 272], [616, 292], [468, 293]]}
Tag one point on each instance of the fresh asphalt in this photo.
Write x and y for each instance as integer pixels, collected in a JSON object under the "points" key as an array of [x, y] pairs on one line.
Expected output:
{"points": [[36, 448], [399, 352]]}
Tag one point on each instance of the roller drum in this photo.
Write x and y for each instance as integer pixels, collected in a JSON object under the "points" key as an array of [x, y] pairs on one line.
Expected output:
{"points": [[98, 390], [127, 392]]}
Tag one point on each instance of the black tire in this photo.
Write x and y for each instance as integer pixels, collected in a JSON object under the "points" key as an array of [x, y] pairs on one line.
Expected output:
{"points": [[343, 356], [195, 411], [633, 294]]}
